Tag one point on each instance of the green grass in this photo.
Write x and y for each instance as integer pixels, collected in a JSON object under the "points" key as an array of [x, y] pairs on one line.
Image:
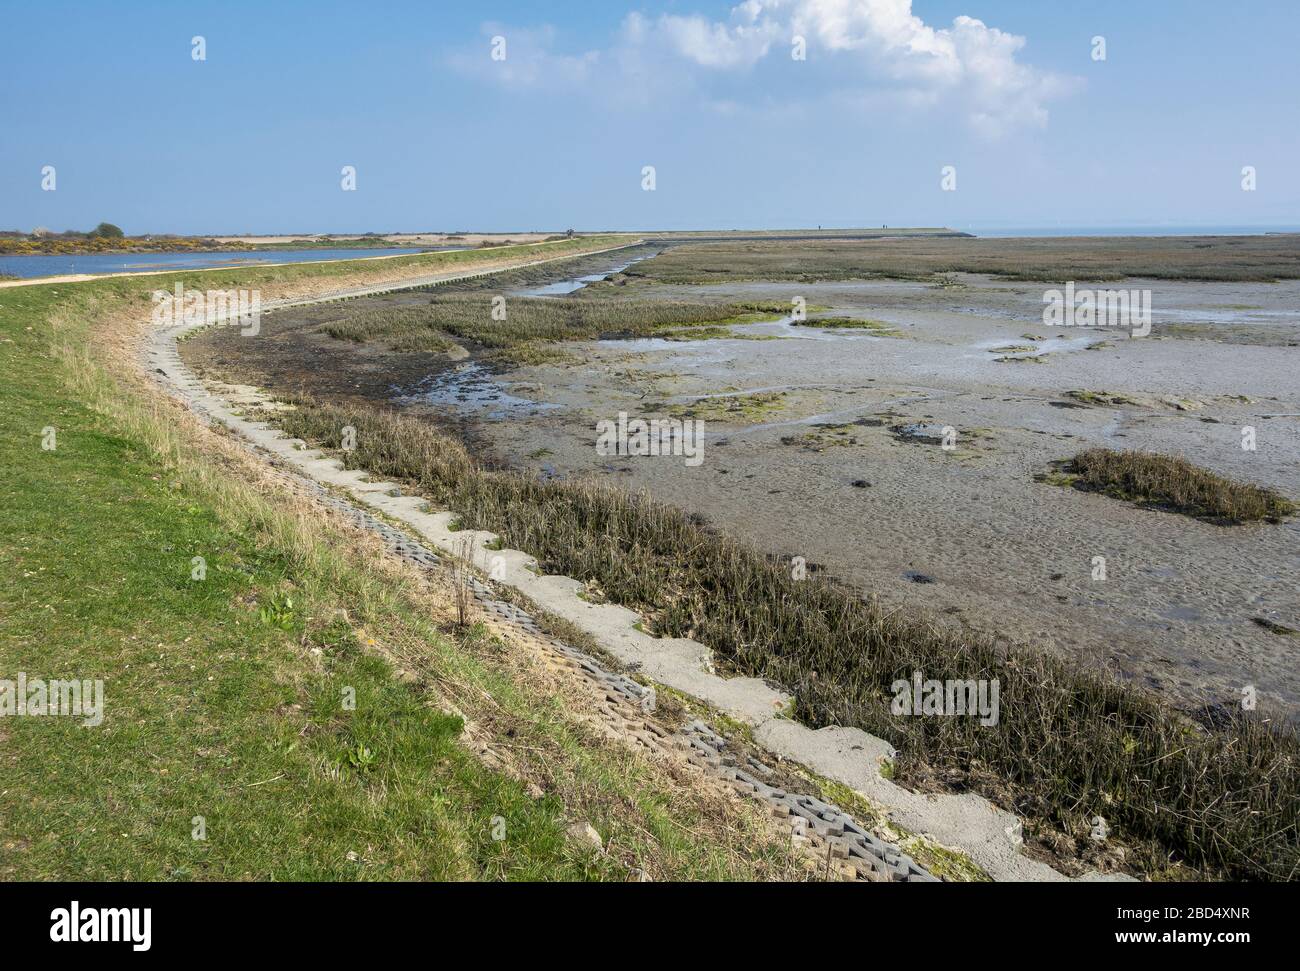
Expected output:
{"points": [[1072, 743], [96, 566], [1171, 482], [225, 696]]}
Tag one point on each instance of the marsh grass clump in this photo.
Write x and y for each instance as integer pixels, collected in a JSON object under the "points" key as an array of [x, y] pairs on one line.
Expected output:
{"points": [[877, 327], [707, 333], [1020, 359], [531, 320], [1101, 397], [1171, 482], [1071, 743], [532, 354]]}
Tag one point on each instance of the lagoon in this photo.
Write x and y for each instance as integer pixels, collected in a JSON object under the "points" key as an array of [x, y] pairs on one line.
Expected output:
{"points": [[39, 265]]}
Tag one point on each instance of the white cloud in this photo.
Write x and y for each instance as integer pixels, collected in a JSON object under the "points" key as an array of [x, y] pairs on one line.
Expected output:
{"points": [[530, 59], [869, 44], [969, 63], [703, 41]]}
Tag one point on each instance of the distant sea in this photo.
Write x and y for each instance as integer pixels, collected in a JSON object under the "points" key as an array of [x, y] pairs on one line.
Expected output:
{"points": [[1005, 231]]}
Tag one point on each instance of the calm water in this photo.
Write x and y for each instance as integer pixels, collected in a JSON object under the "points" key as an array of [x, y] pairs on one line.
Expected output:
{"points": [[562, 287], [33, 266], [1002, 232]]}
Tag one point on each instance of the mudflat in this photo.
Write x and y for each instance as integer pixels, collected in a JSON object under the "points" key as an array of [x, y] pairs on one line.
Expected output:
{"points": [[828, 443]]}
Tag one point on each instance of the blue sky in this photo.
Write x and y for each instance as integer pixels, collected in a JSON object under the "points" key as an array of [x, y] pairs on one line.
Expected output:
{"points": [[740, 134]]}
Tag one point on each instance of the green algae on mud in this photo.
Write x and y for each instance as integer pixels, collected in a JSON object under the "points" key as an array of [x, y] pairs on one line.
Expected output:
{"points": [[733, 408]]}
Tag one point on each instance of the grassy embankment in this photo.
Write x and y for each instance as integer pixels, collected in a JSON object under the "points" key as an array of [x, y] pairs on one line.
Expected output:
{"points": [[445, 261], [1171, 482], [1226, 258], [225, 695], [1071, 744]]}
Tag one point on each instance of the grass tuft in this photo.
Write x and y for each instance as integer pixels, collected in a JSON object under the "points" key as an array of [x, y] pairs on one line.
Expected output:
{"points": [[878, 327], [1171, 482]]}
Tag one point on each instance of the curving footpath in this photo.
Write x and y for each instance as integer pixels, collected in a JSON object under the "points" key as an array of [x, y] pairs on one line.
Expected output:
{"points": [[988, 836]]}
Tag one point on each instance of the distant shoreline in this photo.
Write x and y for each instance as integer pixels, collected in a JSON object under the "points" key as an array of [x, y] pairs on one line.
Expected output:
{"points": [[77, 245], [1046, 232], [18, 246], [89, 262]]}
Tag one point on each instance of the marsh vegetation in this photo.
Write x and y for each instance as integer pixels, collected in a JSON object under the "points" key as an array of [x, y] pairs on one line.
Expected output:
{"points": [[1221, 795], [445, 320], [1193, 780], [1224, 258], [1173, 483]]}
